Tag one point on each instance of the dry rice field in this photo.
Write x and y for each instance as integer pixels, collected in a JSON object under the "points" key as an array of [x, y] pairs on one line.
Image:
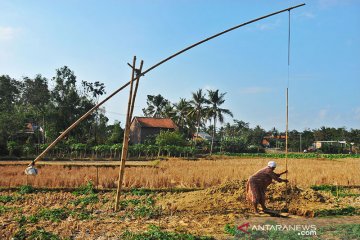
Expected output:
{"points": [[180, 173]]}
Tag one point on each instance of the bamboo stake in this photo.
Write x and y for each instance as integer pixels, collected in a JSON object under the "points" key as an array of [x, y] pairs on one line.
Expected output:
{"points": [[287, 114], [135, 91], [148, 70], [287, 129], [126, 133]]}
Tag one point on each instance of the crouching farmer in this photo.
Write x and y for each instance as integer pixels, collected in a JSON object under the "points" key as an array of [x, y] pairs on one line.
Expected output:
{"points": [[258, 183]]}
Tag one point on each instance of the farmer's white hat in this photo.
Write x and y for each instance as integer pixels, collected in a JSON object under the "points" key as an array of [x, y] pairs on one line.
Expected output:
{"points": [[272, 164]]}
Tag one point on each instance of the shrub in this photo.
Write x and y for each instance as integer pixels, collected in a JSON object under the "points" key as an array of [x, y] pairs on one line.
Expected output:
{"points": [[54, 215], [25, 189], [93, 198], [6, 199], [85, 189], [170, 138]]}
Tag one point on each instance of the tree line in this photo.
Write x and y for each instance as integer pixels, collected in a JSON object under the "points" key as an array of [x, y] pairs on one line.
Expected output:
{"points": [[34, 111]]}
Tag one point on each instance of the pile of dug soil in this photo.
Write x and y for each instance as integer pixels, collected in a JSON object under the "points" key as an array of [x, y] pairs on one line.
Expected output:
{"points": [[231, 197]]}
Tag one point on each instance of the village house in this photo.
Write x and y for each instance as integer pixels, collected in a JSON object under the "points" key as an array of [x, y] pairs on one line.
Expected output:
{"points": [[144, 127]]}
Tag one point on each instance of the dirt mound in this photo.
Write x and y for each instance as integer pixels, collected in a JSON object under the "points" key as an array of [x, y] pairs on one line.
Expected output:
{"points": [[231, 197]]}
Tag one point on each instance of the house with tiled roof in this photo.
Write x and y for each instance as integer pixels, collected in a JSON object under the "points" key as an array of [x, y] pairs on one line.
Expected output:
{"points": [[143, 127]]}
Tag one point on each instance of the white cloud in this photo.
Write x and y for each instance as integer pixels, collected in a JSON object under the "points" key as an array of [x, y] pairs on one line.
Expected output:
{"points": [[308, 15], [322, 113], [268, 26], [8, 33], [254, 90]]}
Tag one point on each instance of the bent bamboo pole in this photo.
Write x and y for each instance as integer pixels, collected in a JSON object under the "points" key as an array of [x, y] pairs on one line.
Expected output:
{"points": [[148, 70]]}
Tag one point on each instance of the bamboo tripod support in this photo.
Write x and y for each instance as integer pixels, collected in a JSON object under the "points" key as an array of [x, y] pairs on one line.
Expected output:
{"points": [[130, 109]]}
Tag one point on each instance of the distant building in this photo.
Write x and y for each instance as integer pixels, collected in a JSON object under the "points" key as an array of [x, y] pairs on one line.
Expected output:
{"points": [[266, 141], [202, 136], [320, 144], [143, 127]]}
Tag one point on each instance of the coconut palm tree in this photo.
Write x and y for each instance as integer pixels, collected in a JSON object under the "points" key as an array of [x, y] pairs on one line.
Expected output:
{"points": [[157, 105], [216, 99], [181, 112], [197, 103]]}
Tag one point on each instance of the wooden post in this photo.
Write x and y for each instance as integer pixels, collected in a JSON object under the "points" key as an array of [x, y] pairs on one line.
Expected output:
{"points": [[97, 177], [126, 132]]}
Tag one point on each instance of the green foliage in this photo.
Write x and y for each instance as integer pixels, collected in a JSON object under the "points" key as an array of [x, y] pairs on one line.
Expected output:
{"points": [[140, 191], [156, 106], [82, 214], [155, 233], [117, 134], [38, 234], [232, 230], [336, 211], [145, 211], [125, 203], [6, 198], [21, 220], [234, 145], [12, 146], [85, 189], [41, 234], [168, 138], [54, 215], [25, 189], [33, 219], [4, 209], [342, 231], [337, 191], [140, 208], [20, 234], [84, 201]]}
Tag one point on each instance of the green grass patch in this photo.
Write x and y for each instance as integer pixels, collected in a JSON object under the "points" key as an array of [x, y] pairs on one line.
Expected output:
{"points": [[84, 201], [291, 155], [6, 199], [140, 208], [346, 211], [54, 215], [126, 203], [337, 191], [26, 189], [343, 231], [20, 234], [141, 191], [155, 233], [38, 234], [85, 189], [57, 215], [82, 215], [4, 209]]}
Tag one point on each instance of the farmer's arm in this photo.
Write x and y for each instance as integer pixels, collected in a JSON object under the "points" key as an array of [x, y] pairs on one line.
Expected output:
{"points": [[276, 177]]}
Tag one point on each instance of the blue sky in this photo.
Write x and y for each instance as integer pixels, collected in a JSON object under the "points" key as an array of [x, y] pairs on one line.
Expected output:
{"points": [[97, 38]]}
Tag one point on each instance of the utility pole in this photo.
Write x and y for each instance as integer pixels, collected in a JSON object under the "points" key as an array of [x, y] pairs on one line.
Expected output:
{"points": [[300, 143]]}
